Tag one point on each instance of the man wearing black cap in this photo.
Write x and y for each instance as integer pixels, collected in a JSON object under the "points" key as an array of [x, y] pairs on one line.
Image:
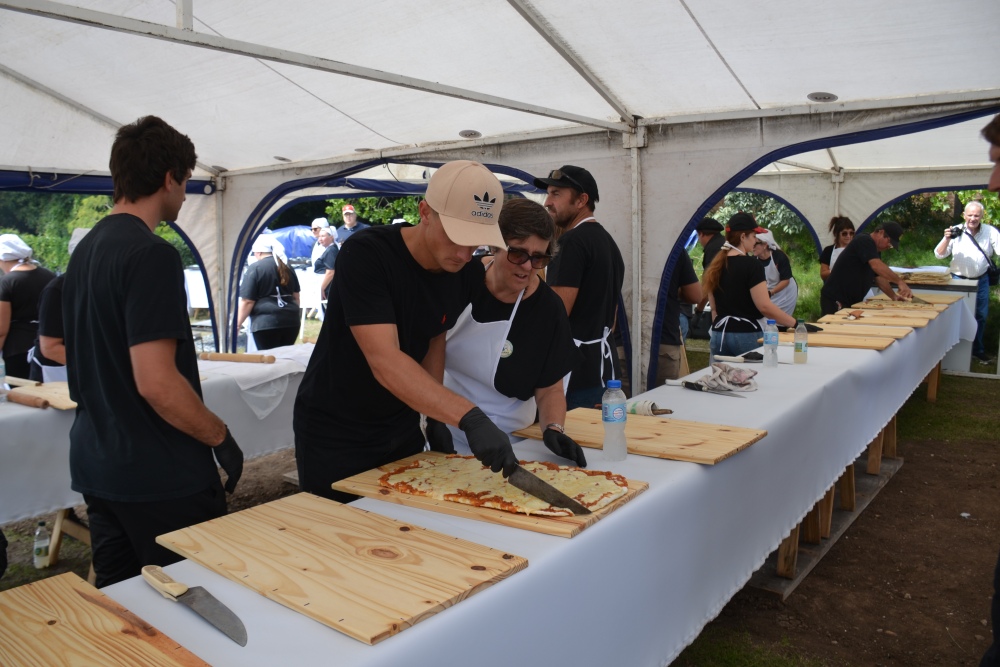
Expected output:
{"points": [[711, 239], [860, 264], [587, 274]]}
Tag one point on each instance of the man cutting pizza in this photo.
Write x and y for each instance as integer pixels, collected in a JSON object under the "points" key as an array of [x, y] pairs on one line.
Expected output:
{"points": [[379, 360]]}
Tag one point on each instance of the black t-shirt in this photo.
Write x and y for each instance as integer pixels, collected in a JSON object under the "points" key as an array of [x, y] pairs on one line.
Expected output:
{"points": [[852, 276], [682, 276], [826, 256], [732, 296], [589, 260], [541, 344], [780, 260], [378, 282], [125, 286], [23, 290], [712, 248], [50, 318], [326, 261], [273, 307]]}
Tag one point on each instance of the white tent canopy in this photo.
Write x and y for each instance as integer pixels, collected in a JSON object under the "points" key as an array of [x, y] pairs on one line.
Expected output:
{"points": [[669, 104]]}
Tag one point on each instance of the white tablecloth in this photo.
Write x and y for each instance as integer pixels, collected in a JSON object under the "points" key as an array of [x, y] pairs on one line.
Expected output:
{"points": [[640, 585], [34, 444]]}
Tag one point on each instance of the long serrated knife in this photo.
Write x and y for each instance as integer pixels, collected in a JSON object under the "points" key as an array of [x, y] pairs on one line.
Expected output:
{"points": [[199, 600], [539, 488]]}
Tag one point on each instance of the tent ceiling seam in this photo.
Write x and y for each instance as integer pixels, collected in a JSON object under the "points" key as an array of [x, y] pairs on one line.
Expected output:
{"points": [[55, 10], [718, 53]]}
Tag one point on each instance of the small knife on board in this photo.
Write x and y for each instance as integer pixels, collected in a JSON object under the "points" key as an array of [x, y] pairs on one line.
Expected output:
{"points": [[198, 599], [539, 488]]}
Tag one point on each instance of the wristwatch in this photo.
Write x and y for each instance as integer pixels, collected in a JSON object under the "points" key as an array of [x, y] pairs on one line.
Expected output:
{"points": [[555, 427]]}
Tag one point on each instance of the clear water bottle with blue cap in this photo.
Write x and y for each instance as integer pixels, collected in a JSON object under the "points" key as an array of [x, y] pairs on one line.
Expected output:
{"points": [[613, 415], [771, 345]]}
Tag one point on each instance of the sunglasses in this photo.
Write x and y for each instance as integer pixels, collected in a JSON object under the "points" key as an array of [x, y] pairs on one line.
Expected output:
{"points": [[519, 256], [560, 175], [847, 232]]}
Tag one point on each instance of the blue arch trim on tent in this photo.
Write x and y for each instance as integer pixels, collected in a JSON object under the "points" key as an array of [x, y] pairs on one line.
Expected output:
{"points": [[920, 191], [204, 276], [856, 137], [255, 222], [809, 225], [78, 184]]}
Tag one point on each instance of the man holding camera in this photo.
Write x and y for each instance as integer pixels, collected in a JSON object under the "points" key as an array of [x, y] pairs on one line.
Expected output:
{"points": [[971, 248]]}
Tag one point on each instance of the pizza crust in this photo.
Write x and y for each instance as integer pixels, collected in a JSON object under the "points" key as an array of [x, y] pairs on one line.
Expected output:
{"points": [[462, 479]]}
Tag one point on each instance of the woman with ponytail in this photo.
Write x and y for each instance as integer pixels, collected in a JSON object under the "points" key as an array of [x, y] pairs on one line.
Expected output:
{"points": [[269, 295], [737, 290], [843, 233]]}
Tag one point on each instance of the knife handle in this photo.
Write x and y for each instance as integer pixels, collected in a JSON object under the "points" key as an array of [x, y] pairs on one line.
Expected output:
{"points": [[161, 581], [694, 385]]}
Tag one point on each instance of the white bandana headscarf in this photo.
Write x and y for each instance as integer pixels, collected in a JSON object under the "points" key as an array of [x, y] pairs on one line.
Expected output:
{"points": [[12, 249], [267, 243], [768, 238]]}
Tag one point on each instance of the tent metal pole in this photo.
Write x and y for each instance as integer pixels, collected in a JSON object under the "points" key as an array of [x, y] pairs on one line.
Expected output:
{"points": [[222, 325], [634, 142]]}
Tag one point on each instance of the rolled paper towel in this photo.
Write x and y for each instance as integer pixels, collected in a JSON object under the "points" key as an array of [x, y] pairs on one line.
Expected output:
{"points": [[646, 408], [237, 356], [24, 399]]}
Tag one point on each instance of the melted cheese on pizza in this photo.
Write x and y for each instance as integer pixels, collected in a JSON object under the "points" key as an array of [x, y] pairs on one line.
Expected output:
{"points": [[462, 479]]}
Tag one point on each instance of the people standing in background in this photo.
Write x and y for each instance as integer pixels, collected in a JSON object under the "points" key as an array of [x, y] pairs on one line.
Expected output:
{"points": [[587, 274], [682, 288], [843, 233], [318, 225], [326, 262], [711, 240], [20, 292], [350, 226], [269, 295], [971, 251], [781, 285], [860, 266]]}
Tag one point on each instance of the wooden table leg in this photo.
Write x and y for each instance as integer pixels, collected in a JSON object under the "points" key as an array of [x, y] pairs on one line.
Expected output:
{"points": [[848, 500], [933, 379], [826, 513], [810, 532], [67, 523], [889, 439], [788, 553], [875, 454]]}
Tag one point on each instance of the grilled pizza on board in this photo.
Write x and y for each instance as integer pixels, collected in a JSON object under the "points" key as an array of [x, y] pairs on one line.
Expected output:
{"points": [[463, 479]]}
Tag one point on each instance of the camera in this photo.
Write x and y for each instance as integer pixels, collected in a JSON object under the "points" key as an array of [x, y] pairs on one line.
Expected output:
{"points": [[957, 231]]}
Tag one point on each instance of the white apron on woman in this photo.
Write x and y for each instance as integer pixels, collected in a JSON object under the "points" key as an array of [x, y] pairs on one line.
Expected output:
{"points": [[474, 350], [786, 298]]}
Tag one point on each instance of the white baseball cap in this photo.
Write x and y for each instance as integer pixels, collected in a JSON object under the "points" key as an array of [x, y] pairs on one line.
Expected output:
{"points": [[468, 197]]}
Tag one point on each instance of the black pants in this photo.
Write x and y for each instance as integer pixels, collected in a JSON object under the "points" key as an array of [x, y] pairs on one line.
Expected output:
{"points": [[267, 339], [123, 535], [17, 365], [828, 306], [992, 656]]}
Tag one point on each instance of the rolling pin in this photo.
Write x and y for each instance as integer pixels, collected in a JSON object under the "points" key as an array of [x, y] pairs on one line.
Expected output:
{"points": [[237, 356], [19, 382], [24, 399]]}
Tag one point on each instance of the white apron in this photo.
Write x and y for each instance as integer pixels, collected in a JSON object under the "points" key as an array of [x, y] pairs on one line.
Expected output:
{"points": [[49, 373], [472, 356], [606, 353], [786, 298]]}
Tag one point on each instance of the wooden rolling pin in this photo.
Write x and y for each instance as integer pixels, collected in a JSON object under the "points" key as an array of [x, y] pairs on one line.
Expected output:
{"points": [[237, 356], [30, 401], [19, 382]]}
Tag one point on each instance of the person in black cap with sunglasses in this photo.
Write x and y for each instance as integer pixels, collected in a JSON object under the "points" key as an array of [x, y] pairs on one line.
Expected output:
{"points": [[587, 274], [711, 240], [858, 266]]}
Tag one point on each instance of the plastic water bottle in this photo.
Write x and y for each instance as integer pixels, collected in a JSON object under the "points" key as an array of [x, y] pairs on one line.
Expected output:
{"points": [[42, 540], [770, 345], [613, 415], [801, 343], [3, 379]]}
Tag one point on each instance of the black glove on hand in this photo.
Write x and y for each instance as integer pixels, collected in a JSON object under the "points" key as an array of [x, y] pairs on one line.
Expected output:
{"points": [[562, 445], [490, 445], [230, 458], [439, 437]]}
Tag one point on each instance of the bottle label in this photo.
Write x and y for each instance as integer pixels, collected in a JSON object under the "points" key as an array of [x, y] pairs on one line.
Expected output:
{"points": [[770, 338], [613, 412], [42, 551], [801, 346]]}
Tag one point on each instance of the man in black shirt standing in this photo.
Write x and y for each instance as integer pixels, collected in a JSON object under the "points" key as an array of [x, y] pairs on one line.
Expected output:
{"points": [[859, 265], [142, 442], [379, 360], [587, 274], [711, 239]]}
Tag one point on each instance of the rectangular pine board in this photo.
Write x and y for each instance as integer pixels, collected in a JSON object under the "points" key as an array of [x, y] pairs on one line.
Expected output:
{"points": [[56, 393], [930, 310], [938, 298], [63, 620], [881, 318], [658, 437], [365, 575], [366, 484], [856, 329], [824, 339]]}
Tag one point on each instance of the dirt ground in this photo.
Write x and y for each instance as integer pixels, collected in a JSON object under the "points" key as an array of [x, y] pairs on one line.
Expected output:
{"points": [[908, 584]]}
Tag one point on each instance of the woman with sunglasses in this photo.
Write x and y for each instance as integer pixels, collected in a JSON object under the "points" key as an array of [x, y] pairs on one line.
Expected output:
{"points": [[781, 285], [843, 233], [512, 346]]}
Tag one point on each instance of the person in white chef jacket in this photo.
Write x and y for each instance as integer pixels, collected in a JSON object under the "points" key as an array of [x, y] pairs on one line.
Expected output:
{"points": [[512, 347]]}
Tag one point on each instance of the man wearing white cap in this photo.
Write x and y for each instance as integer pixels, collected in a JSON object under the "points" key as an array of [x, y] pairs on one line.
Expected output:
{"points": [[379, 360], [317, 225], [350, 226], [20, 291]]}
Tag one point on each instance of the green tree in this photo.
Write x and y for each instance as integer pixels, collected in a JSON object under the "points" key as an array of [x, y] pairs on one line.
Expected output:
{"points": [[768, 211], [376, 210]]}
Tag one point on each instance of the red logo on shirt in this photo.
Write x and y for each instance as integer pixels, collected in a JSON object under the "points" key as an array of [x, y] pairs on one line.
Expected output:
{"points": [[444, 318]]}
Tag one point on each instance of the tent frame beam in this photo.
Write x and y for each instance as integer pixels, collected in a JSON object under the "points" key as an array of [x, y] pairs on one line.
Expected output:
{"points": [[62, 12]]}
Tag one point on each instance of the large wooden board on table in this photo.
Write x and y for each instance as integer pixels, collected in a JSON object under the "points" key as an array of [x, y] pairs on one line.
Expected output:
{"points": [[872, 318], [56, 393], [63, 620], [825, 339], [366, 484], [365, 575], [936, 298], [855, 328], [658, 437], [929, 309]]}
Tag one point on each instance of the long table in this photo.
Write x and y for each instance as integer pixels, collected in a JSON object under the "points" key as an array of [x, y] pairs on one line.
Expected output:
{"points": [[34, 444], [638, 586]]}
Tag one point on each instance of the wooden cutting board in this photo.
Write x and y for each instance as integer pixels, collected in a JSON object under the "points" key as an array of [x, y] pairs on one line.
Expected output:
{"points": [[856, 329], [881, 318], [63, 620], [824, 339], [904, 306], [365, 575], [56, 393], [946, 298], [914, 313], [366, 484], [658, 437]]}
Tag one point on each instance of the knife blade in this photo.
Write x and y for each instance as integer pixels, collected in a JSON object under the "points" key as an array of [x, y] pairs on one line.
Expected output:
{"points": [[916, 299], [539, 488], [199, 600]]}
